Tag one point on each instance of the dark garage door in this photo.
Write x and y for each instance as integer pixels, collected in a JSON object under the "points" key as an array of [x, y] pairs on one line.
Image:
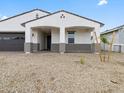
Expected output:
{"points": [[12, 41]]}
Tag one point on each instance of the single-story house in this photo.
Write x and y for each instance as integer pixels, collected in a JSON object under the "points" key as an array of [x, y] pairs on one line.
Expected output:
{"points": [[38, 30], [118, 45]]}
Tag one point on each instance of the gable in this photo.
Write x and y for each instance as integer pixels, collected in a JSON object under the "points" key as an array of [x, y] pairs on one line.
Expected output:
{"points": [[14, 23], [63, 18]]}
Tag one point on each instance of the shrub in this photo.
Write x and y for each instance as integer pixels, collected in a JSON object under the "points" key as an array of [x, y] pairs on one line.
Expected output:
{"points": [[82, 60]]}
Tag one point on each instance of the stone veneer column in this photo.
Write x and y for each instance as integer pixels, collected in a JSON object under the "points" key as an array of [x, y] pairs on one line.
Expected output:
{"points": [[35, 47], [28, 40], [28, 47], [62, 40]]}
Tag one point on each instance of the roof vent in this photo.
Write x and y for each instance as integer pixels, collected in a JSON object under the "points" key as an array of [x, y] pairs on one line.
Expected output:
{"points": [[62, 16], [37, 16]]}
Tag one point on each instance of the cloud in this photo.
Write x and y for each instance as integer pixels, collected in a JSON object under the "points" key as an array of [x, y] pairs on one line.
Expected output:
{"points": [[103, 2], [3, 17]]}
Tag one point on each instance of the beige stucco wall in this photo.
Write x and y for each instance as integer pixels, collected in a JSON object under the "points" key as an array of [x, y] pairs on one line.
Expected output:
{"points": [[39, 38], [14, 24], [69, 21], [34, 36], [41, 41], [55, 36], [81, 36]]}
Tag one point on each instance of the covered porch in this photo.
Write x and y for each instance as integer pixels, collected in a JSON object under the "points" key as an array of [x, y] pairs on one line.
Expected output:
{"points": [[73, 39], [42, 38]]}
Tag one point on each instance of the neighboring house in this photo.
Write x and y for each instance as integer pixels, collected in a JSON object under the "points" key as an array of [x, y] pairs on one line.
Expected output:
{"points": [[118, 45], [38, 30]]}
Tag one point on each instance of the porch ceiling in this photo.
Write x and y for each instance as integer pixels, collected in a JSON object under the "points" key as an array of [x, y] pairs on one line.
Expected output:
{"points": [[45, 29]]}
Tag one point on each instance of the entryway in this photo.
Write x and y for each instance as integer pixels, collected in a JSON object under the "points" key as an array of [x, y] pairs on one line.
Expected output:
{"points": [[45, 39], [49, 42]]}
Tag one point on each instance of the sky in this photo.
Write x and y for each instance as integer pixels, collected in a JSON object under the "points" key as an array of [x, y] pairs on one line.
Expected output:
{"points": [[109, 12]]}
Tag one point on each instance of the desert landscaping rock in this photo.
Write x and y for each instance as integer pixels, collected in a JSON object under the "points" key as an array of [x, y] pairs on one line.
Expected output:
{"points": [[56, 73]]}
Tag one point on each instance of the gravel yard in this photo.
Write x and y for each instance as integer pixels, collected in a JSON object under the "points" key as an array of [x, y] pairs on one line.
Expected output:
{"points": [[56, 73]]}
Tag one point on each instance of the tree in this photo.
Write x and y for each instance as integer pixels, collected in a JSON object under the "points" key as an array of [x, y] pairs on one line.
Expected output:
{"points": [[105, 42]]}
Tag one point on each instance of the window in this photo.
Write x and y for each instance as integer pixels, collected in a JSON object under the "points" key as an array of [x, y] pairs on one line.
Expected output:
{"points": [[12, 38], [71, 37], [6, 38]]}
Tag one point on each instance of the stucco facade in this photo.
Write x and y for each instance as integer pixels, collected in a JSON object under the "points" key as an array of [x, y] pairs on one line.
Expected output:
{"points": [[44, 30]]}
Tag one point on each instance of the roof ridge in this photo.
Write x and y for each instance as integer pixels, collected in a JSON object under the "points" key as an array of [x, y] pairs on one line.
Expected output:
{"points": [[24, 13], [42, 10], [117, 27]]}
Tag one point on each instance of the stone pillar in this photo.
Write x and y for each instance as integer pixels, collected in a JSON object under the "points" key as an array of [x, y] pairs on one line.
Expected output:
{"points": [[62, 40], [28, 40]]}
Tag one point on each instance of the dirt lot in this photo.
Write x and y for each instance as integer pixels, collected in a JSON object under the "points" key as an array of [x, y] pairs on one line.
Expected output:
{"points": [[55, 73]]}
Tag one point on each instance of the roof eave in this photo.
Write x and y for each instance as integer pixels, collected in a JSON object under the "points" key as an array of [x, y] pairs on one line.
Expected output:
{"points": [[113, 30]]}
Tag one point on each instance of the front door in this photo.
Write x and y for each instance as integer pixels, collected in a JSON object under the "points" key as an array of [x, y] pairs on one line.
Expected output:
{"points": [[49, 42]]}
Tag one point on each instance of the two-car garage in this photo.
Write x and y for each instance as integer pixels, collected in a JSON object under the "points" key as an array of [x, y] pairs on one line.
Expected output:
{"points": [[12, 41]]}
